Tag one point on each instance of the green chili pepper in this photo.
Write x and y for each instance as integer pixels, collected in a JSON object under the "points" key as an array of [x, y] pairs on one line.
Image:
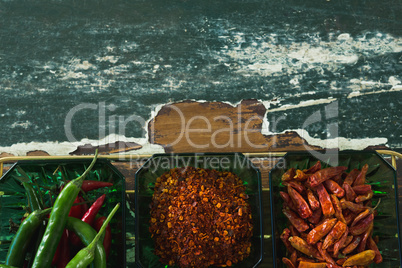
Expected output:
{"points": [[6, 266], [86, 234], [85, 256], [19, 244], [34, 201], [57, 220]]}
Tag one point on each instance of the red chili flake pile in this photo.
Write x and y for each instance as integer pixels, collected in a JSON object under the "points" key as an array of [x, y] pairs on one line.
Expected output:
{"points": [[200, 217]]}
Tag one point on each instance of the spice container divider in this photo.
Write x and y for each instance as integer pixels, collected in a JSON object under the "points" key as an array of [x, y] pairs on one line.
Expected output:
{"points": [[145, 180], [46, 176], [380, 175]]}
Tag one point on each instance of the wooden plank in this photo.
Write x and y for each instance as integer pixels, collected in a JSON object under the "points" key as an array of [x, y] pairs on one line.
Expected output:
{"points": [[191, 126]]}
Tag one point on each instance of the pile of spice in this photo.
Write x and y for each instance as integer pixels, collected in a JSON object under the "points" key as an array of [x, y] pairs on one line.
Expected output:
{"points": [[330, 217], [200, 217]]}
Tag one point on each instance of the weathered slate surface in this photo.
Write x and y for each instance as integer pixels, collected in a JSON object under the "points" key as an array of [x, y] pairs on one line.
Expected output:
{"points": [[127, 58]]}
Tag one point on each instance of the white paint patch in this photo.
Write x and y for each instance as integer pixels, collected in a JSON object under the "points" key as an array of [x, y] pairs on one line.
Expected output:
{"points": [[394, 81], [74, 69], [20, 112], [267, 58], [111, 59], [266, 104], [116, 70], [172, 83], [74, 75], [265, 122], [322, 55], [294, 81], [395, 88], [340, 142], [85, 65], [303, 104], [264, 68], [24, 125], [64, 148]]}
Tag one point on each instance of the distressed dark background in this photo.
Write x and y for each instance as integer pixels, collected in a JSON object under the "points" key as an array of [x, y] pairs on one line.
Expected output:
{"points": [[132, 56]]}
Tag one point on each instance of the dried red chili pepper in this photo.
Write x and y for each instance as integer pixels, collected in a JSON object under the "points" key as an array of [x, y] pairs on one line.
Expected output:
{"points": [[307, 264], [334, 188], [349, 193], [285, 239], [365, 213], [363, 258], [295, 185], [325, 254], [362, 189], [341, 242], [361, 216], [352, 245], [337, 208], [324, 174], [334, 234], [300, 204], [293, 258], [295, 220], [365, 236], [373, 246], [362, 225], [289, 174], [351, 176], [356, 208], [288, 263], [316, 217], [330, 265], [302, 246], [304, 258], [325, 201], [341, 261], [348, 215], [339, 178], [287, 200], [313, 169], [361, 178], [320, 231], [312, 200], [348, 240], [293, 231], [300, 175], [365, 197]]}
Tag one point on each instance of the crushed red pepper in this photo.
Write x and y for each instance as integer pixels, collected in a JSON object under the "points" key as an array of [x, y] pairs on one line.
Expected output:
{"points": [[200, 217]]}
